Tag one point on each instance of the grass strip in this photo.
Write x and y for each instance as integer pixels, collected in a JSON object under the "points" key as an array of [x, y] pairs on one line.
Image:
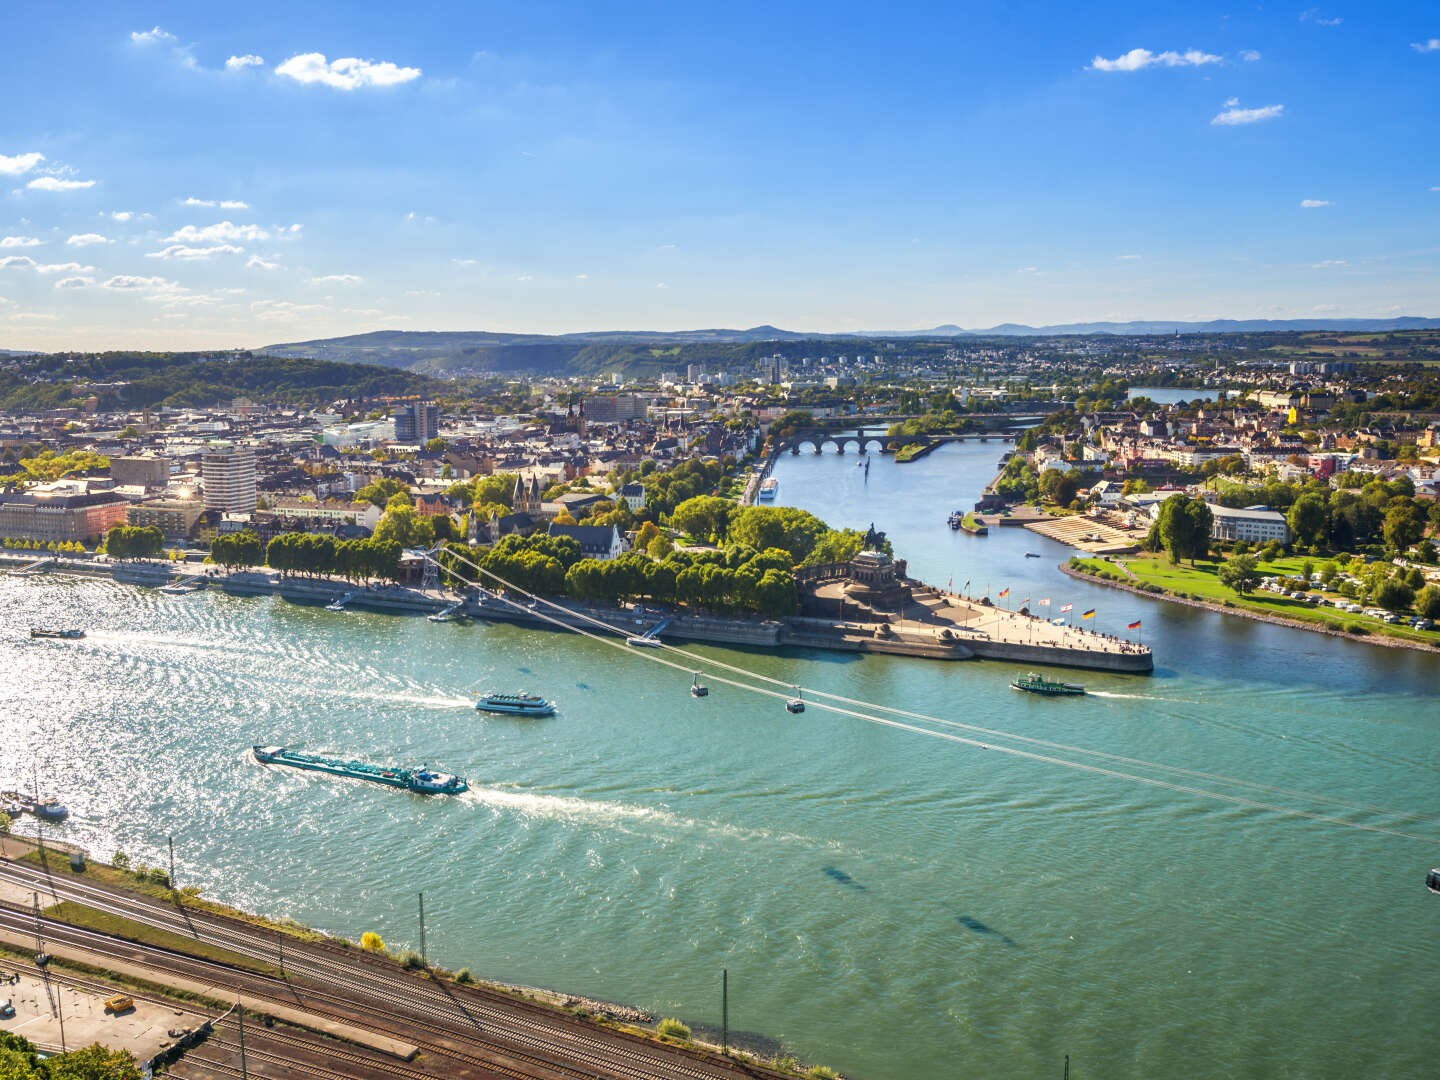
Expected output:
{"points": [[67, 911]]}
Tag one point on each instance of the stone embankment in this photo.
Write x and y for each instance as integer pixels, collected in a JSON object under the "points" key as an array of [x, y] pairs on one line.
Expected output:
{"points": [[1255, 616]]}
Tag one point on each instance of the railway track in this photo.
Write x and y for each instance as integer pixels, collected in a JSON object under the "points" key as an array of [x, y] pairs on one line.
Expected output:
{"points": [[517, 1030]]}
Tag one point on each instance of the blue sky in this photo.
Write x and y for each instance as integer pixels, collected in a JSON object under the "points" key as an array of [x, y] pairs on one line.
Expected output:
{"points": [[568, 166]]}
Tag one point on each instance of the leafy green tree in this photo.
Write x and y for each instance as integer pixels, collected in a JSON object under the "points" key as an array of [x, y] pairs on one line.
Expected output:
{"points": [[380, 491], [841, 545], [1241, 573], [761, 527], [1404, 525], [1183, 528], [435, 445], [703, 516], [1393, 595], [1427, 602], [1328, 573], [1308, 519]]}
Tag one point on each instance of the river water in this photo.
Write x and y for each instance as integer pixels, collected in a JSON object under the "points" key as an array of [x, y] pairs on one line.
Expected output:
{"points": [[891, 903]]}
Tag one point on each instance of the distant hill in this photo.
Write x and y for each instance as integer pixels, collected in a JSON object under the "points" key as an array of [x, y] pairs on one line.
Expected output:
{"points": [[444, 352]]}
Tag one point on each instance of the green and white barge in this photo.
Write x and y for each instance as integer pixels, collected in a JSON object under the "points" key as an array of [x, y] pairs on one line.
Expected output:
{"points": [[422, 781]]}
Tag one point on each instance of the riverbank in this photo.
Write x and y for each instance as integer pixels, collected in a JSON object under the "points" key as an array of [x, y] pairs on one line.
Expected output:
{"points": [[1246, 613]]}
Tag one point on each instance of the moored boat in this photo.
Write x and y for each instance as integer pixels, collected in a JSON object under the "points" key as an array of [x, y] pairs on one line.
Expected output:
{"points": [[768, 487], [15, 802], [644, 641], [1432, 880], [41, 632], [423, 781], [517, 704], [1036, 684], [955, 520]]}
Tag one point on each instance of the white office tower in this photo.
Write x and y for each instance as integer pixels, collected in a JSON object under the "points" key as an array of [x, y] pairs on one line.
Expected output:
{"points": [[228, 470]]}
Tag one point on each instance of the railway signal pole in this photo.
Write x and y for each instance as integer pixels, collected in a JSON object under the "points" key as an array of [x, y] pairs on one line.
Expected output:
{"points": [[173, 886], [423, 958], [724, 1010], [240, 1022]]}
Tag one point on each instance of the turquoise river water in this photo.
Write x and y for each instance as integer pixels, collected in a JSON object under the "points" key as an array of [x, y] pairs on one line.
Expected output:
{"points": [[889, 902]]}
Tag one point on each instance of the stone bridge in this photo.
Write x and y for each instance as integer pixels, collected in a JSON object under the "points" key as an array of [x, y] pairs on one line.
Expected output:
{"points": [[863, 437]]}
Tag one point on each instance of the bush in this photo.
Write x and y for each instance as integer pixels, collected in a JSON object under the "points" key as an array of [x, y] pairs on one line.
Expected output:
{"points": [[410, 960], [671, 1028], [1356, 628], [120, 861], [464, 977], [372, 942], [822, 1072]]}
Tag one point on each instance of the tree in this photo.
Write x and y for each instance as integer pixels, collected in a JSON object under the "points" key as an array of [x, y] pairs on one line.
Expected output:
{"points": [[660, 547], [1308, 518], [1393, 595], [1328, 573], [761, 527], [380, 491], [1183, 528], [1403, 525], [1427, 602], [645, 534], [1059, 487], [435, 445], [704, 516], [1241, 573]]}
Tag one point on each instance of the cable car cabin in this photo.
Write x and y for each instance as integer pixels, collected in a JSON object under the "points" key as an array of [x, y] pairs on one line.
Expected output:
{"points": [[795, 705], [697, 688], [1432, 881]]}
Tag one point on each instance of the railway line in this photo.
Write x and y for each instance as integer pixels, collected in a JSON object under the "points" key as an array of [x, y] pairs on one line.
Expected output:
{"points": [[514, 1037]]}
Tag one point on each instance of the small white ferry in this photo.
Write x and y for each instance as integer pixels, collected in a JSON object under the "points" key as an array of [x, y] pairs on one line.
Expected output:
{"points": [[517, 704], [768, 487]]}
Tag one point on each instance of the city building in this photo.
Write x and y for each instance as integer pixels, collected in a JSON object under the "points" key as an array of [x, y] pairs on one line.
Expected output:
{"points": [[60, 517], [417, 422], [596, 541], [633, 494], [227, 470], [331, 511], [174, 517], [614, 408], [141, 470], [1250, 526]]}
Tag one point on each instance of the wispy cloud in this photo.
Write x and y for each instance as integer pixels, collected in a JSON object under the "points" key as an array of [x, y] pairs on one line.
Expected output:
{"points": [[336, 279], [1234, 115], [75, 283], [16, 262], [255, 262], [20, 242], [1249, 55], [188, 253], [63, 268], [55, 183], [1326, 264], [220, 231], [1313, 15], [282, 309], [223, 204], [19, 163], [463, 262], [131, 281], [1432, 45], [151, 37], [1315, 204], [582, 277], [239, 63], [1140, 59], [347, 73], [86, 239], [1127, 256], [122, 215]]}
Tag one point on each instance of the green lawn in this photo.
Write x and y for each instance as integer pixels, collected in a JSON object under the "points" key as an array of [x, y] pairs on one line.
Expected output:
{"points": [[1202, 582], [117, 926]]}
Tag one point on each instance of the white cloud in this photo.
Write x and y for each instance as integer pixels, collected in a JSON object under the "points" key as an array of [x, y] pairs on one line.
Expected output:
{"points": [[661, 285], [222, 230], [183, 251], [54, 183], [362, 311], [347, 73], [1139, 59], [1230, 103], [1327, 263], [1432, 45], [1315, 204], [130, 281], [20, 241], [255, 262], [20, 163], [1313, 15], [34, 315], [86, 239], [1232, 115], [282, 309], [463, 262], [289, 228], [122, 215], [336, 279], [192, 201], [582, 277], [75, 283], [151, 36], [1127, 256], [237, 63], [15, 262], [233, 204], [1249, 55], [524, 277], [63, 268]]}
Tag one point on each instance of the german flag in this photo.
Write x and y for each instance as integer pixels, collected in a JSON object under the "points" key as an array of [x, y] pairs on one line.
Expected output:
{"points": [[1135, 625], [1004, 593], [1088, 614]]}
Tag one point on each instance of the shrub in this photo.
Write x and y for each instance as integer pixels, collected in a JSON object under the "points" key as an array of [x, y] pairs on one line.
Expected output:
{"points": [[410, 960], [822, 1072], [1356, 628], [464, 976], [671, 1028], [120, 861], [372, 942]]}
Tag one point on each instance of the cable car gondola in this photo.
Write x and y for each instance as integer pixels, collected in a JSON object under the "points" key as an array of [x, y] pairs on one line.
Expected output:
{"points": [[1432, 880], [697, 688], [796, 704]]}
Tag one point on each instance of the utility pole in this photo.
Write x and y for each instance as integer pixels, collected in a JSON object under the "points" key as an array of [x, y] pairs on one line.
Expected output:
{"points": [[423, 959], [724, 1010], [280, 943], [173, 886], [240, 1021]]}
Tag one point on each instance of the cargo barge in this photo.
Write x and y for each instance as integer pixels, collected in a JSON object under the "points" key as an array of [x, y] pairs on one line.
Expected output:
{"points": [[422, 781]]}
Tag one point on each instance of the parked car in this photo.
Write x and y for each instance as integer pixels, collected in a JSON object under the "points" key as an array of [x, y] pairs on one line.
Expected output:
{"points": [[7, 1009], [119, 1003]]}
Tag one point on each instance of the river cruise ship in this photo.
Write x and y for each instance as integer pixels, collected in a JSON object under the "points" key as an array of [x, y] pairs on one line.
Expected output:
{"points": [[517, 704]]}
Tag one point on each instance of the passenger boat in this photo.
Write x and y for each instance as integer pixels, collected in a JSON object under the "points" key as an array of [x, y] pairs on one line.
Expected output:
{"points": [[1035, 684], [423, 781], [1432, 880], [645, 641], [39, 632], [1031, 555], [14, 802], [768, 487], [517, 704], [955, 520]]}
